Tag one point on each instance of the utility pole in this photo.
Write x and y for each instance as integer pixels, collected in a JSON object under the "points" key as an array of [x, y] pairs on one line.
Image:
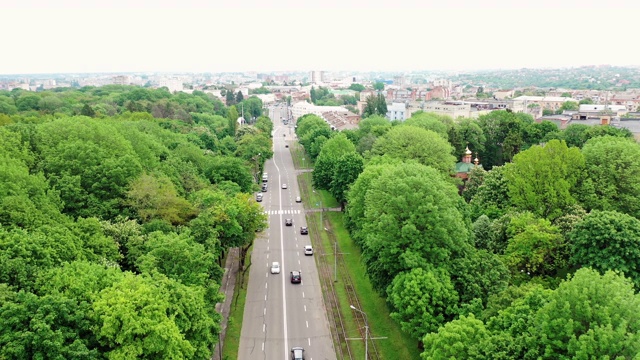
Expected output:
{"points": [[366, 332], [335, 255]]}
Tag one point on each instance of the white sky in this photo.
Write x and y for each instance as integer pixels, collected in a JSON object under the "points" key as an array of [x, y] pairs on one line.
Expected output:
{"points": [[43, 36]]}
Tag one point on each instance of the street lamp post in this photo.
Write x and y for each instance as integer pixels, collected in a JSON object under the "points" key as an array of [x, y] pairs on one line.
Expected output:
{"points": [[335, 258], [321, 209], [366, 331], [256, 158]]}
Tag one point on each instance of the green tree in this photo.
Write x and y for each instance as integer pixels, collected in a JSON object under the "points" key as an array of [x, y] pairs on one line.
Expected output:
{"points": [[231, 219], [25, 199], [265, 125], [152, 316], [221, 168], [477, 275], [90, 163], [410, 142], [412, 218], [156, 198], [370, 107], [608, 240], [355, 210], [422, 300], [50, 104], [535, 246], [356, 87], [470, 134], [44, 327], [505, 133], [512, 324], [24, 254], [180, 258], [542, 178], [428, 121], [232, 115], [346, 170], [473, 183], [7, 106], [613, 165], [87, 110], [381, 105], [459, 339], [590, 316], [312, 132], [574, 135], [378, 86], [27, 102], [230, 98], [332, 150], [492, 197], [569, 106]]}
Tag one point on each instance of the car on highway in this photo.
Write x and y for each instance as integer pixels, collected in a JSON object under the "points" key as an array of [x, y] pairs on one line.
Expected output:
{"points": [[284, 186], [264, 187], [297, 353], [308, 250], [296, 277], [288, 222], [259, 197], [298, 199], [275, 267], [304, 230]]}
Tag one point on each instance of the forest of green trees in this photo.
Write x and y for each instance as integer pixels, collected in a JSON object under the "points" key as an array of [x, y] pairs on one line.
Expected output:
{"points": [[117, 206], [537, 258]]}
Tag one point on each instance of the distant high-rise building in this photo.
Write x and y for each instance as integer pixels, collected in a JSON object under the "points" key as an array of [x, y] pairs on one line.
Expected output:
{"points": [[317, 77]]}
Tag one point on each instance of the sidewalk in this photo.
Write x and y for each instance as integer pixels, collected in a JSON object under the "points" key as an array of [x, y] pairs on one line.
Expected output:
{"points": [[227, 287], [322, 210]]}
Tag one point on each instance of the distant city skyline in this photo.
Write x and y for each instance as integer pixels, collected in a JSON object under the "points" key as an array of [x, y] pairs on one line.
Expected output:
{"points": [[74, 36]]}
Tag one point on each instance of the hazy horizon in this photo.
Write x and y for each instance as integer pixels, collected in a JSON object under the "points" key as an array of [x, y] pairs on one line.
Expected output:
{"points": [[192, 36]]}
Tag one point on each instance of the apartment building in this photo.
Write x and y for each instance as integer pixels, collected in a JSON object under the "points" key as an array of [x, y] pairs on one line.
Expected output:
{"points": [[397, 111], [521, 103]]}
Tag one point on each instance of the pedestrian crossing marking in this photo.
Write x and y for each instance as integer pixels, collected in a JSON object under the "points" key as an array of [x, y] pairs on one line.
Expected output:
{"points": [[282, 212]]}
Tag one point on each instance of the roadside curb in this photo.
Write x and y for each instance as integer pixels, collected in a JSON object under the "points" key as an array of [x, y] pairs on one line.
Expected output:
{"points": [[227, 287]]}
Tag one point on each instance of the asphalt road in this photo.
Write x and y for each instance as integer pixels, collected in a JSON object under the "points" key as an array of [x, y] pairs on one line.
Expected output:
{"points": [[279, 315]]}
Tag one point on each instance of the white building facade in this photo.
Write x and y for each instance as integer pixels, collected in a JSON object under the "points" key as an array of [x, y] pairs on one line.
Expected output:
{"points": [[303, 108], [397, 111]]}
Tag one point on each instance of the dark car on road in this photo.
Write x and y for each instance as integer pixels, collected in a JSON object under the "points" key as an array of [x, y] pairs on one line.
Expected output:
{"points": [[296, 277], [304, 230]]}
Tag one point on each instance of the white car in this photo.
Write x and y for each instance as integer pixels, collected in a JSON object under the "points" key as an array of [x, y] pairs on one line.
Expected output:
{"points": [[275, 267], [308, 250], [284, 186]]}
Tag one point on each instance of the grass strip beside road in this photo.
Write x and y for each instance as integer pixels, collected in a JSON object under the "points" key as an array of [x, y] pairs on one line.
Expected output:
{"points": [[236, 313], [398, 344]]}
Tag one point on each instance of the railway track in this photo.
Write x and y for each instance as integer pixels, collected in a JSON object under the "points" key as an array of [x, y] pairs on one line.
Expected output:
{"points": [[349, 287], [326, 272], [332, 304]]}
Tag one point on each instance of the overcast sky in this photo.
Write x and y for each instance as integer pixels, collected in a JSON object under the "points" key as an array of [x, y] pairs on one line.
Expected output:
{"points": [[45, 36]]}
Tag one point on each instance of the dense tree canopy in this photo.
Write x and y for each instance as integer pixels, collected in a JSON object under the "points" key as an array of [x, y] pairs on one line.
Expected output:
{"points": [[112, 224], [613, 167], [541, 179], [412, 218], [608, 240], [410, 142]]}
